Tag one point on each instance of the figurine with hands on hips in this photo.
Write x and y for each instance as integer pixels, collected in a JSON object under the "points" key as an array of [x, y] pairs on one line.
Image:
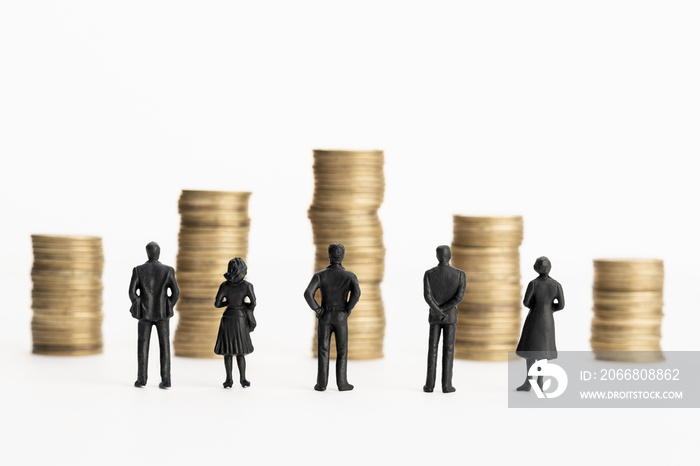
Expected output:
{"points": [[340, 292], [151, 305]]}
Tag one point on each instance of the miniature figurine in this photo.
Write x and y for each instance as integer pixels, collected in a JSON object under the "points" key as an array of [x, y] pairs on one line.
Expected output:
{"points": [[443, 289], [340, 292], [151, 305], [543, 297], [237, 321]]}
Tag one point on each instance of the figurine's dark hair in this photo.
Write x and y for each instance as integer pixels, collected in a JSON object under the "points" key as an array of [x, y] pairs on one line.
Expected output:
{"points": [[336, 253], [237, 270], [153, 250], [443, 253], [543, 265]]}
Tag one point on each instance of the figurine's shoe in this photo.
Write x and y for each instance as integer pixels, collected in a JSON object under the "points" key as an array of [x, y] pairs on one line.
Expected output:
{"points": [[345, 387], [319, 388], [140, 383], [245, 383], [427, 389], [449, 389], [164, 384], [228, 383], [524, 387]]}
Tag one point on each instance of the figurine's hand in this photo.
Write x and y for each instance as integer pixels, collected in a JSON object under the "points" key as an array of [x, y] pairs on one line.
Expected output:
{"points": [[319, 312]]}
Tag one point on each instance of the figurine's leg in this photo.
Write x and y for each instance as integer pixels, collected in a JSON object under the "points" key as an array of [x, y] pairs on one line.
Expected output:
{"points": [[324, 344], [448, 356], [163, 328], [526, 386], [144, 339], [433, 341], [228, 365], [240, 360], [341, 347]]}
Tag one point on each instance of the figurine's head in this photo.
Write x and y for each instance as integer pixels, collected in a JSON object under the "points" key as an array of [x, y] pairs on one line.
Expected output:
{"points": [[153, 251], [237, 270], [543, 266], [336, 253], [443, 253]]}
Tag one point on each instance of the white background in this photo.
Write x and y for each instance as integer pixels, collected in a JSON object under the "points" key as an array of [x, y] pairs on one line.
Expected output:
{"points": [[582, 117]]}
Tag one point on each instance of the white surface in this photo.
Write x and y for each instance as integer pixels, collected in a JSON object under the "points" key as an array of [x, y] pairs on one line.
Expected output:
{"points": [[580, 117]]}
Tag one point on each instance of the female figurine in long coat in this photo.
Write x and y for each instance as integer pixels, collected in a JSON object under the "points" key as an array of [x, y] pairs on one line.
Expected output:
{"points": [[544, 296], [237, 321]]}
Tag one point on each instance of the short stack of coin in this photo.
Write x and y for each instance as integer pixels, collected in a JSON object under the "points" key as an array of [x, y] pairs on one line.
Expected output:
{"points": [[486, 248], [348, 192], [627, 309], [214, 228], [67, 295]]}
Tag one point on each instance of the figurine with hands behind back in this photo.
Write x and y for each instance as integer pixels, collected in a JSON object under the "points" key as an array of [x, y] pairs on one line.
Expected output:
{"points": [[543, 297], [443, 289], [237, 321]]}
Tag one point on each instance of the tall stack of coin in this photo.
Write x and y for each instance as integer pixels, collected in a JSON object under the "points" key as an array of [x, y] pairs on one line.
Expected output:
{"points": [[214, 228], [67, 295], [348, 191], [627, 309], [486, 248]]}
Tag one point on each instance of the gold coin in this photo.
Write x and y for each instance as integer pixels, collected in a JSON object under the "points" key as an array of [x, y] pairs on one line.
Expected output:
{"points": [[214, 198], [66, 241], [636, 322], [51, 351], [630, 356], [194, 313], [64, 320], [482, 355], [190, 353], [625, 345]]}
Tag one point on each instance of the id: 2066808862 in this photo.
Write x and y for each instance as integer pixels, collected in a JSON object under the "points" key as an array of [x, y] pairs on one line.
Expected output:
{"points": [[631, 374]]}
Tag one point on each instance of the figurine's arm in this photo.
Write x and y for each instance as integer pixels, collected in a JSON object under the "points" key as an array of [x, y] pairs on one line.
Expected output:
{"points": [[428, 295], [459, 295], [174, 289], [134, 286], [354, 295], [559, 305], [220, 300], [251, 296], [314, 285], [529, 294]]}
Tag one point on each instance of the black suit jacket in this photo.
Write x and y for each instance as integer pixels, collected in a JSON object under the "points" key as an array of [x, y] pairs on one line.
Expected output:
{"points": [[443, 289], [339, 288], [152, 280]]}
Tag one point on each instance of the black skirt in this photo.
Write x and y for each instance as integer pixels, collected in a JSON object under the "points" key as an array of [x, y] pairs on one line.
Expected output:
{"points": [[234, 336]]}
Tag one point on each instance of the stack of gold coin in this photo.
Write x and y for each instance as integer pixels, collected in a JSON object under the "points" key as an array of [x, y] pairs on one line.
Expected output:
{"points": [[627, 309], [67, 295], [348, 191], [486, 248], [214, 228]]}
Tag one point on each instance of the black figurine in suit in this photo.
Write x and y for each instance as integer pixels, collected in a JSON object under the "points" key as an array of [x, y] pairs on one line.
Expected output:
{"points": [[340, 292], [443, 289], [151, 305], [544, 296]]}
